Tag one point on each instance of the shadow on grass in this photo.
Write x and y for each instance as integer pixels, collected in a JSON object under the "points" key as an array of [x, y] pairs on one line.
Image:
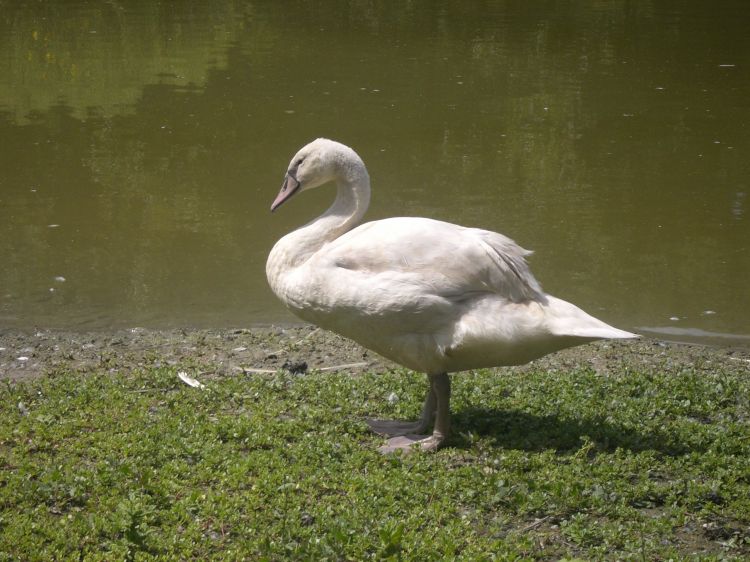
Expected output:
{"points": [[520, 430]]}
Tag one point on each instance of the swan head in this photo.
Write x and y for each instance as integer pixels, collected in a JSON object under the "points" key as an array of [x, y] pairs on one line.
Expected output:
{"points": [[318, 163]]}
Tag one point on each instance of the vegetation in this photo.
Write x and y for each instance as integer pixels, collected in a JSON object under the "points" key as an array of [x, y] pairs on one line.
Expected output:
{"points": [[545, 464]]}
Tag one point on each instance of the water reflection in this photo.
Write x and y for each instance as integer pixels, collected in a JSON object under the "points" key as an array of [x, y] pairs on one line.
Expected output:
{"points": [[607, 137], [99, 55], [738, 205]]}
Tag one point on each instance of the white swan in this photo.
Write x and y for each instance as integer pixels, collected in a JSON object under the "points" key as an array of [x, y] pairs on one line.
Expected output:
{"points": [[432, 296]]}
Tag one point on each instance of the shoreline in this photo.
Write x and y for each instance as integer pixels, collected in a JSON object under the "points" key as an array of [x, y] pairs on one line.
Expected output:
{"points": [[299, 348]]}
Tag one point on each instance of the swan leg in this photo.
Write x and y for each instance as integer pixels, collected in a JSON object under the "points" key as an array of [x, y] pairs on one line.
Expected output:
{"points": [[439, 398], [393, 428]]}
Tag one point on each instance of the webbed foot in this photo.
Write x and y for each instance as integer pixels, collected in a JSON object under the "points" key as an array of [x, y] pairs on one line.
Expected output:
{"points": [[408, 443], [406, 436]]}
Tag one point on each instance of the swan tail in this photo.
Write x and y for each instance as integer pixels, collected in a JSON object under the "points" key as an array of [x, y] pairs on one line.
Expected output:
{"points": [[603, 333], [566, 319]]}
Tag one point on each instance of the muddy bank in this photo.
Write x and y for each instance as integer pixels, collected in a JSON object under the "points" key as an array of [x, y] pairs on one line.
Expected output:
{"points": [[215, 352], [297, 348]]}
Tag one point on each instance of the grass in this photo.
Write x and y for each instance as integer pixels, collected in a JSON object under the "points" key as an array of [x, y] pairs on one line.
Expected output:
{"points": [[651, 465]]}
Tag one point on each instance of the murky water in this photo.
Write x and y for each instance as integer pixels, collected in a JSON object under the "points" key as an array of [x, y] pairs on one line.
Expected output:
{"points": [[142, 143]]}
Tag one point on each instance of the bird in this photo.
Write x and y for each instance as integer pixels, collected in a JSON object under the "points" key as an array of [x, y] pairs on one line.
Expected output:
{"points": [[432, 296]]}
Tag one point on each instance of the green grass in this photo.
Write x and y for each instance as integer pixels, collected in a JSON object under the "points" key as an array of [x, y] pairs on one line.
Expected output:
{"points": [[543, 465]]}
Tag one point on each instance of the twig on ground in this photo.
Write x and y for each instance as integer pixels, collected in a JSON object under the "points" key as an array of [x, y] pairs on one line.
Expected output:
{"points": [[534, 525], [257, 370], [253, 370]]}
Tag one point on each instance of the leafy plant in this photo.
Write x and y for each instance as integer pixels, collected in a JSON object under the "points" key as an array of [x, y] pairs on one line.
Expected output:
{"points": [[648, 464]]}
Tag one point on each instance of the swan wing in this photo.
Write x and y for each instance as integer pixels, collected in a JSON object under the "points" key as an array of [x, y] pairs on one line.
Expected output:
{"points": [[441, 258]]}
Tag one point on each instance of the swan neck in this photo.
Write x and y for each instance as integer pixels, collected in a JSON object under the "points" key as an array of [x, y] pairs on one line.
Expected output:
{"points": [[350, 205], [346, 212]]}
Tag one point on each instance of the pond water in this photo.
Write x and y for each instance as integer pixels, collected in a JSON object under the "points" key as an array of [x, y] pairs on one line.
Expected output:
{"points": [[143, 142]]}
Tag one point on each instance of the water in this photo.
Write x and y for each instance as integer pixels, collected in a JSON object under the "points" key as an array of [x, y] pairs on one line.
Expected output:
{"points": [[142, 144]]}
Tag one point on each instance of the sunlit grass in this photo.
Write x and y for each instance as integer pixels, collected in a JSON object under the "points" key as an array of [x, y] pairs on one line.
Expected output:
{"points": [[636, 465]]}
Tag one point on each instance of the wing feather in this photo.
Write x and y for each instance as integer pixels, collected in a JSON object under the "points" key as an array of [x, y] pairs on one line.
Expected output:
{"points": [[509, 274], [448, 260]]}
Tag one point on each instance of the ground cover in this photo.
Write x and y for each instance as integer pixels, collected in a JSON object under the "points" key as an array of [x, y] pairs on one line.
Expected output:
{"points": [[632, 451]]}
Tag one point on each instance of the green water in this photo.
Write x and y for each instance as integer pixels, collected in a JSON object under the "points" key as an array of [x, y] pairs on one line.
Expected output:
{"points": [[142, 143]]}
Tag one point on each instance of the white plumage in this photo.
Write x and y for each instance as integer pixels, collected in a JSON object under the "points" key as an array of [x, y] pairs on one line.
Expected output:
{"points": [[430, 295]]}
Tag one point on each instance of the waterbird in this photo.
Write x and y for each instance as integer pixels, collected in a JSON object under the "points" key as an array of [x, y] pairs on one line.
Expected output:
{"points": [[432, 296]]}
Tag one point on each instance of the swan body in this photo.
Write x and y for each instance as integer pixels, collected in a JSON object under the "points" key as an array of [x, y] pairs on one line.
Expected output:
{"points": [[430, 295]]}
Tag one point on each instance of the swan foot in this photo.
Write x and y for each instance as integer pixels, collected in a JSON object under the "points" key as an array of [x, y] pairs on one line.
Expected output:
{"points": [[395, 428], [408, 443]]}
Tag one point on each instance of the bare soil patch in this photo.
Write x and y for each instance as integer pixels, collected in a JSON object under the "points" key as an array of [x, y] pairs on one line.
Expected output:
{"points": [[298, 348]]}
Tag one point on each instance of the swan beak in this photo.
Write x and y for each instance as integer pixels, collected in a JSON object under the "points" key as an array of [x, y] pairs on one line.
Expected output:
{"points": [[288, 188]]}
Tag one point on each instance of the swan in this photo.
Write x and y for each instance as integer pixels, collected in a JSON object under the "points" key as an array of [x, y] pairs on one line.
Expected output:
{"points": [[432, 296]]}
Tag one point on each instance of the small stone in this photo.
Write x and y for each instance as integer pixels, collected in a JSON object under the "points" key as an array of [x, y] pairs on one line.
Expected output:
{"points": [[295, 367]]}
